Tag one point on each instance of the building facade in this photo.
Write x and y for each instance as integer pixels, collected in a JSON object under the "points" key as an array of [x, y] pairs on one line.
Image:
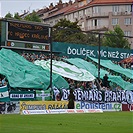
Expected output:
{"points": [[94, 15]]}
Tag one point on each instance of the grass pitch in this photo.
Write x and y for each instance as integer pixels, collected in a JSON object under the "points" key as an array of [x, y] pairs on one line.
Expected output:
{"points": [[107, 122]]}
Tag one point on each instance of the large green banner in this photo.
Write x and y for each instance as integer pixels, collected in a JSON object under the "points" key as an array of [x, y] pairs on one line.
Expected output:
{"points": [[24, 74], [82, 51]]}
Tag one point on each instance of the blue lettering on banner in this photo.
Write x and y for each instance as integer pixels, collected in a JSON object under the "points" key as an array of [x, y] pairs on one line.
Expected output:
{"points": [[103, 106]]}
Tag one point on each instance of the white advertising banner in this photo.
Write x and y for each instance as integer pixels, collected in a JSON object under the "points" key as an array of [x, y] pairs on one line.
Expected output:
{"points": [[61, 111]]}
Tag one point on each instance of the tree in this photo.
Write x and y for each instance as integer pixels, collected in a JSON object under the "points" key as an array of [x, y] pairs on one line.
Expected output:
{"points": [[17, 16], [67, 31], [8, 15], [64, 29], [30, 17], [115, 39], [33, 17]]}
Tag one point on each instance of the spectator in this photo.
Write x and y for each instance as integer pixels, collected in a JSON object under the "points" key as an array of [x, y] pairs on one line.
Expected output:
{"points": [[71, 99], [0, 82], [131, 66], [105, 81]]}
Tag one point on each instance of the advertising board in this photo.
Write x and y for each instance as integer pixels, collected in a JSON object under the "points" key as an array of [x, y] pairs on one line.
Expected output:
{"points": [[9, 107], [42, 105], [103, 106], [61, 111], [127, 107]]}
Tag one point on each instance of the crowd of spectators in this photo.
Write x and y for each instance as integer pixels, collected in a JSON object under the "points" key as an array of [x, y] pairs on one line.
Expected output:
{"points": [[103, 84], [126, 65], [40, 56], [3, 80]]}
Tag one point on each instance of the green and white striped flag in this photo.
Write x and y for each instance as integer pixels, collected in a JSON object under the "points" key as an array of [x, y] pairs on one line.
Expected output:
{"points": [[43, 95], [4, 94], [66, 70]]}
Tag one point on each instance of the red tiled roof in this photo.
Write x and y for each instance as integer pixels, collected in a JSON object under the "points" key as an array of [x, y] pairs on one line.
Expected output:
{"points": [[100, 2], [110, 1], [75, 9], [42, 10], [63, 10]]}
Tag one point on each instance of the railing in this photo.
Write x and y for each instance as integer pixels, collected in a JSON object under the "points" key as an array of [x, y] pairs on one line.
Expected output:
{"points": [[121, 13], [98, 27], [99, 14]]}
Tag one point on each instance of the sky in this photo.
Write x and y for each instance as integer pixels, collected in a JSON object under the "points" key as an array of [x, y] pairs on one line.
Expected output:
{"points": [[19, 6]]}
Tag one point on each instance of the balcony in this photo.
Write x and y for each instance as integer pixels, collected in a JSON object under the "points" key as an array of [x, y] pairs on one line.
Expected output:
{"points": [[98, 28], [121, 13], [102, 14]]}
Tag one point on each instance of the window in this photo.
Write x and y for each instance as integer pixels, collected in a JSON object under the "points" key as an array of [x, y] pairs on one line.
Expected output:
{"points": [[70, 16], [56, 21], [127, 21], [114, 21], [127, 33], [82, 25], [96, 22], [75, 15], [51, 22], [128, 8], [96, 9], [81, 13], [86, 11], [115, 8]]}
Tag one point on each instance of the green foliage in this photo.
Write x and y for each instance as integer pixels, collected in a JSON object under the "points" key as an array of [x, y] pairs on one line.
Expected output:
{"points": [[115, 39], [17, 16], [33, 17], [9, 15], [64, 30], [67, 31], [63, 23]]}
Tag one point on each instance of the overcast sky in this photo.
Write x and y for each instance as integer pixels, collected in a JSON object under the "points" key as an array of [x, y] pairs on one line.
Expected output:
{"points": [[19, 6]]}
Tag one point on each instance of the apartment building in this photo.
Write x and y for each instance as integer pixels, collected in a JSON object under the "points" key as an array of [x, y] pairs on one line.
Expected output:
{"points": [[55, 13], [95, 15]]}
